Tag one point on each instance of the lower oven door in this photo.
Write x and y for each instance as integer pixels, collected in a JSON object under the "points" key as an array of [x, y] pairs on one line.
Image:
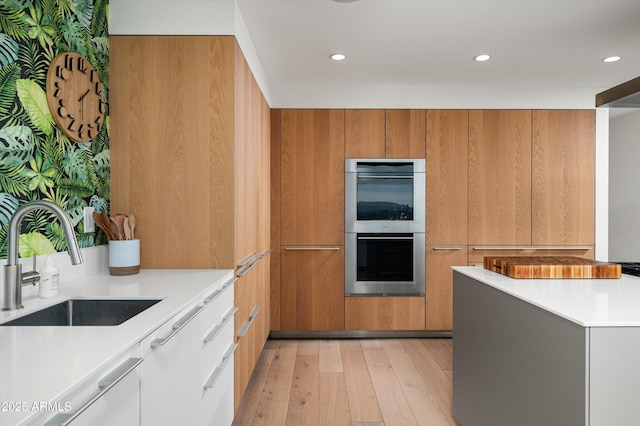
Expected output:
{"points": [[384, 264]]}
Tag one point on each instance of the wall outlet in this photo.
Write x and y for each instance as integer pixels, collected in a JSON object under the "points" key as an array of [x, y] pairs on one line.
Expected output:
{"points": [[89, 224]]}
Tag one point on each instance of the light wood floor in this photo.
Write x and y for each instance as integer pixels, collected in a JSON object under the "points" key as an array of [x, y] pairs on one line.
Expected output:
{"points": [[350, 382]]}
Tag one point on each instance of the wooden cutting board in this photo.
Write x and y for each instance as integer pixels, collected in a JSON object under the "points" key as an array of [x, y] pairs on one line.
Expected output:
{"points": [[551, 267]]}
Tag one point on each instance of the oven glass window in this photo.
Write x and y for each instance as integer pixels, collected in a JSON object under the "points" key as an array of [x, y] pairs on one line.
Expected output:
{"points": [[384, 191], [385, 257]]}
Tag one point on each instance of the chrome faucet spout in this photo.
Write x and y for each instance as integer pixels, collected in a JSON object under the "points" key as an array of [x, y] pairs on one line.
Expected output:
{"points": [[13, 269]]}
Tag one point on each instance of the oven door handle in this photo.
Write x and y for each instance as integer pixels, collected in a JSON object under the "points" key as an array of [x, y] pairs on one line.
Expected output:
{"points": [[385, 238], [384, 177]]}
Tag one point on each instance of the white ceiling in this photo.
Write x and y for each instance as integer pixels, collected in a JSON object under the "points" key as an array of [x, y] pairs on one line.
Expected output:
{"points": [[418, 53]]}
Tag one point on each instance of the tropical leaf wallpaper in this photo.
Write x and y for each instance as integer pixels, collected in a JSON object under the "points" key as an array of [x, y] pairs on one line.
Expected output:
{"points": [[37, 161]]}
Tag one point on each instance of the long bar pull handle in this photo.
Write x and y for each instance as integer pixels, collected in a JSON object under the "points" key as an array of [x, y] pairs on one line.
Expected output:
{"points": [[447, 248], [385, 238], [213, 296], [104, 384], [178, 326], [534, 248], [311, 248], [211, 381], [247, 259], [216, 330], [247, 324], [246, 269], [384, 177]]}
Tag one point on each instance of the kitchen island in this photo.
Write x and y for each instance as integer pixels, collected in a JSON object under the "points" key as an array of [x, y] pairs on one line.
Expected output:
{"points": [[43, 369], [545, 351]]}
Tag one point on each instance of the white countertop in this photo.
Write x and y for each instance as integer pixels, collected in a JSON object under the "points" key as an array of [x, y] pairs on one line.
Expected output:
{"points": [[42, 364], [611, 302]]}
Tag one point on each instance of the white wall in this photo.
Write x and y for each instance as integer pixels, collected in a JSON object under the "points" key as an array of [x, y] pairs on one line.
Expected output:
{"points": [[624, 190]]}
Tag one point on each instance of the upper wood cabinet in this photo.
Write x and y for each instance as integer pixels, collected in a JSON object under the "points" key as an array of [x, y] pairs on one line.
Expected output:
{"points": [[563, 177], [364, 130], [447, 175], [500, 177], [405, 133], [172, 146], [378, 133], [312, 177], [189, 150]]}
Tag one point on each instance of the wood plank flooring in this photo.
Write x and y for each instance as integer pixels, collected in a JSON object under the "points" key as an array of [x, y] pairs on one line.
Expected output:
{"points": [[351, 382]]}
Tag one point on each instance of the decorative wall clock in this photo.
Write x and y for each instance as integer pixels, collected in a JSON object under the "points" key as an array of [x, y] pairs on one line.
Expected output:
{"points": [[75, 97]]}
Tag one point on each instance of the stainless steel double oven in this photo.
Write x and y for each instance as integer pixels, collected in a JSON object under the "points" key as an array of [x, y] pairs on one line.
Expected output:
{"points": [[385, 227]]}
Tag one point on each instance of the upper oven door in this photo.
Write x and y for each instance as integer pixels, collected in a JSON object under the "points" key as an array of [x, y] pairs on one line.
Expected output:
{"points": [[385, 195]]}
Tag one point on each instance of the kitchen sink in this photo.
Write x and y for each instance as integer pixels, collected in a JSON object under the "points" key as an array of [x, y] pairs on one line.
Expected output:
{"points": [[85, 312]]}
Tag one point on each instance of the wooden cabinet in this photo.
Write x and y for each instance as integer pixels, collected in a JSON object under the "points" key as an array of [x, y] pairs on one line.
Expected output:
{"points": [[312, 291], [384, 313], [365, 133], [172, 146], [500, 177], [447, 174], [378, 133], [446, 211], [312, 177], [563, 177], [439, 284], [405, 133]]}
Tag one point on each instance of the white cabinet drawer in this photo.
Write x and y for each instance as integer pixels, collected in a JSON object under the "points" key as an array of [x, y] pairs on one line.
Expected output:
{"points": [[216, 406], [110, 397], [216, 341]]}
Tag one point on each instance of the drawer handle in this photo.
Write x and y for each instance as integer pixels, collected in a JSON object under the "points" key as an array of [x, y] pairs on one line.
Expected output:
{"points": [[177, 326], [248, 268], [247, 324], [447, 248], [216, 330], [247, 259], [211, 381], [254, 312], [104, 384], [534, 248], [213, 296], [310, 248]]}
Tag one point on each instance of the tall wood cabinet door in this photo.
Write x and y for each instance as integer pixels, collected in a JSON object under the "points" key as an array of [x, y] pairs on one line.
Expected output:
{"points": [[563, 177], [312, 288], [172, 146], [405, 133], [439, 285], [275, 219], [364, 130], [312, 177], [500, 177], [447, 175]]}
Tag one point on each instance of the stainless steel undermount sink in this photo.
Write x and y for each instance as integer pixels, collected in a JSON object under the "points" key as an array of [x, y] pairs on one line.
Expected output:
{"points": [[85, 312]]}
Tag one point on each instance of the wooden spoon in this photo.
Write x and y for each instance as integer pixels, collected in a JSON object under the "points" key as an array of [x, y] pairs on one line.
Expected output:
{"points": [[97, 218], [107, 225], [114, 229], [127, 229], [120, 224], [132, 226]]}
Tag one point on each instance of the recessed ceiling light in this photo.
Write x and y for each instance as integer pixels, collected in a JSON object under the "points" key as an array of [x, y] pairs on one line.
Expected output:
{"points": [[611, 59], [482, 58], [338, 56]]}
